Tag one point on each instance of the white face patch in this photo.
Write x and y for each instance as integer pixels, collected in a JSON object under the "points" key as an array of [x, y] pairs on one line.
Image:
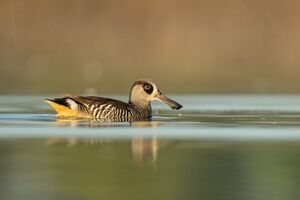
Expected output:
{"points": [[73, 105]]}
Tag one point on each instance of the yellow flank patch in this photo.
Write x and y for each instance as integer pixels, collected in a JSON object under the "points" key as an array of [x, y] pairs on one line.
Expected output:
{"points": [[62, 111]]}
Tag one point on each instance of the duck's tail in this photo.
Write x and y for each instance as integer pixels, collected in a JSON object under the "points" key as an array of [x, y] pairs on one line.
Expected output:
{"points": [[65, 107]]}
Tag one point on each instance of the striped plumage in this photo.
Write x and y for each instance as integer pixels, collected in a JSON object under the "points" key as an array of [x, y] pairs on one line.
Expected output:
{"points": [[138, 107]]}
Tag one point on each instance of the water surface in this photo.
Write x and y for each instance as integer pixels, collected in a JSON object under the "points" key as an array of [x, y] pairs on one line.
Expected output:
{"points": [[216, 147]]}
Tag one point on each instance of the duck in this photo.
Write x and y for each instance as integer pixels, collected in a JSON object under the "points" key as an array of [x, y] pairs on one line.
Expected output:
{"points": [[142, 93]]}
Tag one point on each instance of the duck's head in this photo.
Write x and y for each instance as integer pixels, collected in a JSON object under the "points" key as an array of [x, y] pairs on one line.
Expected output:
{"points": [[144, 91]]}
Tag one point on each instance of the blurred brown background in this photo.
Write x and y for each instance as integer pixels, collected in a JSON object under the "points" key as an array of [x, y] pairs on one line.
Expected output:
{"points": [[205, 46]]}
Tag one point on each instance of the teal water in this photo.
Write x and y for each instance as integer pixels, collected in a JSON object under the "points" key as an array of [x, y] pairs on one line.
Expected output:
{"points": [[216, 147]]}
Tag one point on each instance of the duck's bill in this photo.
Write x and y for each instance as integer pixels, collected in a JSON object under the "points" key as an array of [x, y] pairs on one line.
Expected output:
{"points": [[173, 104]]}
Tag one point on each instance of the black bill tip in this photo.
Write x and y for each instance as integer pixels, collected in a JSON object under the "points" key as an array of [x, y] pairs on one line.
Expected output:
{"points": [[177, 106]]}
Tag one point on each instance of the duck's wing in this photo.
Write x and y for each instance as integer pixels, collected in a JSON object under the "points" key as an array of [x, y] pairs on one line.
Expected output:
{"points": [[93, 100]]}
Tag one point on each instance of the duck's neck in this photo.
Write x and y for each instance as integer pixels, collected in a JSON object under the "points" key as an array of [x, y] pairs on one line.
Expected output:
{"points": [[143, 107]]}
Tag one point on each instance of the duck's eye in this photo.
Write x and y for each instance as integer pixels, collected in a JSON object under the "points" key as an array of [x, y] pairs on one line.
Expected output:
{"points": [[148, 88]]}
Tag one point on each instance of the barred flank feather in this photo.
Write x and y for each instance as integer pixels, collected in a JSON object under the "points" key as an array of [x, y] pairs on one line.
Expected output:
{"points": [[96, 108]]}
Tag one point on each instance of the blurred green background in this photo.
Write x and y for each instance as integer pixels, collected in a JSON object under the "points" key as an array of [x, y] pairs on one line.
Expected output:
{"points": [[205, 46]]}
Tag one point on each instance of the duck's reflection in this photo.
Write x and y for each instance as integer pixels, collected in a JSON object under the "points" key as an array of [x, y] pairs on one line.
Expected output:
{"points": [[104, 124], [142, 148]]}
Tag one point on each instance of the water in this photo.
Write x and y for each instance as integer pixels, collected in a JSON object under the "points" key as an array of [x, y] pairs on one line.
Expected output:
{"points": [[216, 147]]}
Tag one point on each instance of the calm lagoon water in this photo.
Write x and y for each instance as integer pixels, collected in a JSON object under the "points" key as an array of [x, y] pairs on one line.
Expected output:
{"points": [[216, 147]]}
